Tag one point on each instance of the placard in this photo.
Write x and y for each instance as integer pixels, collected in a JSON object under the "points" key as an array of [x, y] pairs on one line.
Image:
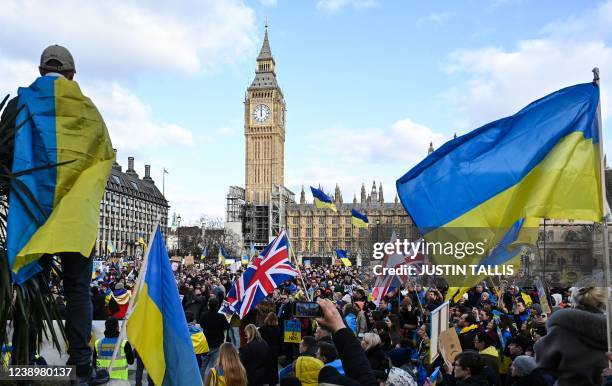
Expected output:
{"points": [[293, 331], [542, 295], [188, 261], [449, 345], [438, 324]]}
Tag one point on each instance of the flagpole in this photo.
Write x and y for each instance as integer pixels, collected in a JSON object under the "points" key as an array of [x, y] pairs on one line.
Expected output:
{"points": [[605, 219], [291, 252], [138, 286]]}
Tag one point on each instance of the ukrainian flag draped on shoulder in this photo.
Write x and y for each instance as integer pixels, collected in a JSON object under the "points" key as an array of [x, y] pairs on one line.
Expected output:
{"points": [[542, 162], [63, 134], [157, 327]]}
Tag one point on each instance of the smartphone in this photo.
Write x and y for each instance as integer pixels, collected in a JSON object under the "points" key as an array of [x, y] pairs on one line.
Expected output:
{"points": [[308, 310]]}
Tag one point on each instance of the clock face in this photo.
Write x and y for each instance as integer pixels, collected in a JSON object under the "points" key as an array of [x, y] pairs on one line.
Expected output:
{"points": [[261, 113]]}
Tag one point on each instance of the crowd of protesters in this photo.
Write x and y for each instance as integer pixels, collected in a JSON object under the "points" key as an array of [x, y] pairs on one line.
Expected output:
{"points": [[507, 337]]}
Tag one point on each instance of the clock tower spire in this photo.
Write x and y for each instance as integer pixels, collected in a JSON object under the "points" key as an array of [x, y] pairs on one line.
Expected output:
{"points": [[264, 129]]}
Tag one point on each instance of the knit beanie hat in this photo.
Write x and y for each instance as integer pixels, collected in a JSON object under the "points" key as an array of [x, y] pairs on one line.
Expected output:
{"points": [[524, 365]]}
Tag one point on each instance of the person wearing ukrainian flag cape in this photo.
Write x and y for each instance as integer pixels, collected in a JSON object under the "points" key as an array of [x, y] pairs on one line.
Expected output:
{"points": [[61, 159]]}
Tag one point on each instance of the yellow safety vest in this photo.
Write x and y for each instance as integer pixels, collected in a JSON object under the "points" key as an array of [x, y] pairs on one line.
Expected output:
{"points": [[104, 350]]}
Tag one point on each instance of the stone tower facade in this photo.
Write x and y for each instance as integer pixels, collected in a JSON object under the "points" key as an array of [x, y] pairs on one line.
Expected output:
{"points": [[264, 130]]}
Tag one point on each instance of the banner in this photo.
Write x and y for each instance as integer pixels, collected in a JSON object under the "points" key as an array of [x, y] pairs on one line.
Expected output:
{"points": [[293, 331]]}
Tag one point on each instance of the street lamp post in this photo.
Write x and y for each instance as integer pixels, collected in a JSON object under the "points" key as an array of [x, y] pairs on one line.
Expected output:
{"points": [[377, 230], [178, 236]]}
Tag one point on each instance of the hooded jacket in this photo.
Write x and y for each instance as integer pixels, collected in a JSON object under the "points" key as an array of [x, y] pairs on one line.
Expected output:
{"points": [[307, 370], [574, 348]]}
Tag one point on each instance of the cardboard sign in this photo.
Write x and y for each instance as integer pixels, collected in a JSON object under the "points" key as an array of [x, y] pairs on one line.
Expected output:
{"points": [[449, 345], [293, 331], [188, 261], [175, 266]]}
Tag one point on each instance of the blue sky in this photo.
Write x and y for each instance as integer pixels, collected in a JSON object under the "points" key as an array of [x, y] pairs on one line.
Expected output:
{"points": [[368, 84]]}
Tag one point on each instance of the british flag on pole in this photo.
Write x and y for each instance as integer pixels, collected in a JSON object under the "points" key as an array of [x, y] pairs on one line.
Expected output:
{"points": [[264, 273], [387, 282]]}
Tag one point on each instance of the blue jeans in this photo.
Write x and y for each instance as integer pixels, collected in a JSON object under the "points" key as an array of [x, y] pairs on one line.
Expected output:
{"points": [[209, 361], [234, 335]]}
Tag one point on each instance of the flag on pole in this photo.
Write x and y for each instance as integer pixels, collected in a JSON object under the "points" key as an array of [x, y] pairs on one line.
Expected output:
{"points": [[477, 185], [253, 251], [204, 251], [55, 208], [157, 327], [266, 272], [245, 259], [322, 200], [341, 253], [387, 282], [222, 255], [358, 219]]}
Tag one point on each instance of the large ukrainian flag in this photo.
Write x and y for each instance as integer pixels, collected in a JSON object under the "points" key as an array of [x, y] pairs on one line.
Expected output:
{"points": [[322, 200], [157, 327], [542, 162], [59, 126]]}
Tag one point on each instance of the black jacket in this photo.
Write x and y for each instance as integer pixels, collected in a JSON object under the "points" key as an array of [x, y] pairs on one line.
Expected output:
{"points": [[253, 356], [377, 358], [272, 336], [214, 325], [355, 364]]}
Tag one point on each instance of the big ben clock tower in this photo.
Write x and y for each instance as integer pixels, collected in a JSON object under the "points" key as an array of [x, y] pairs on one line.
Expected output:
{"points": [[264, 130]]}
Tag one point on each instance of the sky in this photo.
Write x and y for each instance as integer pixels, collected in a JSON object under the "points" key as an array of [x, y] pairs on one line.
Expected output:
{"points": [[368, 83]]}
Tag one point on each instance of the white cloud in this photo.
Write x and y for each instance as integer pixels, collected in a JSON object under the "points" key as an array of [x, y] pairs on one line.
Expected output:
{"points": [[268, 3], [338, 5], [122, 37], [226, 130], [433, 18], [405, 141], [130, 121], [350, 157], [502, 81]]}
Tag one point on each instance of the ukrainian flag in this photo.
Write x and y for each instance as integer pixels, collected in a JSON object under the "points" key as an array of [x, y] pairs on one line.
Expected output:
{"points": [[322, 200], [157, 327], [341, 253], [543, 162], [222, 255], [203, 253], [245, 259], [359, 220], [56, 208]]}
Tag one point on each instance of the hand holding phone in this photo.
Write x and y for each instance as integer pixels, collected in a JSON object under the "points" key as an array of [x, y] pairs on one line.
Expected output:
{"points": [[308, 310]]}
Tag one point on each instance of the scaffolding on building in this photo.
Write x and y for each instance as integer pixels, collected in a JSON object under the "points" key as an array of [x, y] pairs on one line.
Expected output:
{"points": [[255, 225], [280, 198], [234, 203]]}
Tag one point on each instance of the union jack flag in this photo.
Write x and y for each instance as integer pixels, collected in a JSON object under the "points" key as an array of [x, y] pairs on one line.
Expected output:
{"points": [[387, 282], [264, 273]]}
